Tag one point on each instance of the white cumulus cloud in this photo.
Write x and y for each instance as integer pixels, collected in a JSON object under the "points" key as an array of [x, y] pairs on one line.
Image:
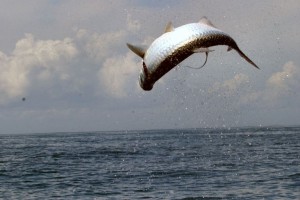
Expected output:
{"points": [[116, 72], [117, 64], [34, 57], [100, 46], [283, 82], [43, 64], [230, 86], [279, 85]]}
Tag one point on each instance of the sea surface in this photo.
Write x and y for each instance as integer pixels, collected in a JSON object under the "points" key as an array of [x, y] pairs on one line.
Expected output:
{"points": [[189, 164]]}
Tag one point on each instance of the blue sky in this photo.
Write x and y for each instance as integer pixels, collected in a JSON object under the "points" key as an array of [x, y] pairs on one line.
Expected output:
{"points": [[70, 60]]}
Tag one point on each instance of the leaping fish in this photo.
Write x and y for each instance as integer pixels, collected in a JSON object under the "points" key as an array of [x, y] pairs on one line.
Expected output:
{"points": [[176, 44]]}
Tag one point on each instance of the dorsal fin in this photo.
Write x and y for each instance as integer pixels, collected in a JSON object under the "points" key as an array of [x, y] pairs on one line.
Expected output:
{"points": [[169, 27], [138, 50], [206, 21]]}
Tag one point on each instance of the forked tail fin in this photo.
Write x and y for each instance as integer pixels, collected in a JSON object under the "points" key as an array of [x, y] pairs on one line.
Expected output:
{"points": [[245, 57]]}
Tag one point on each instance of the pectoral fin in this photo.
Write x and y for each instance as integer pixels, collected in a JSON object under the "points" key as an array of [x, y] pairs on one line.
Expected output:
{"points": [[201, 50], [138, 50], [206, 56]]}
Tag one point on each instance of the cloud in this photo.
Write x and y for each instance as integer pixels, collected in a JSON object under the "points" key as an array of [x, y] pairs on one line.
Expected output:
{"points": [[13, 78], [230, 86], [133, 25], [100, 46], [43, 52], [41, 64], [108, 50], [116, 73], [31, 57], [282, 83], [279, 85]]}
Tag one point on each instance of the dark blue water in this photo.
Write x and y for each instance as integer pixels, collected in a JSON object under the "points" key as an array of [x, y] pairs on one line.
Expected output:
{"points": [[248, 163]]}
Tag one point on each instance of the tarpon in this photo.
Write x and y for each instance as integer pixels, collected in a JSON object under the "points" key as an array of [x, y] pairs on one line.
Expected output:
{"points": [[176, 44]]}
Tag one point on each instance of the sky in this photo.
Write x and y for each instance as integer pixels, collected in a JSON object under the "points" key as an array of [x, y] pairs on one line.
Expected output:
{"points": [[64, 66]]}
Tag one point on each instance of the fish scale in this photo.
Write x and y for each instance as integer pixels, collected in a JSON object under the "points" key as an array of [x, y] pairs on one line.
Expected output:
{"points": [[169, 42], [176, 44]]}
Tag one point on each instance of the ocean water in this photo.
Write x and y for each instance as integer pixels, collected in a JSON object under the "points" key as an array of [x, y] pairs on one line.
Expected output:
{"points": [[237, 163]]}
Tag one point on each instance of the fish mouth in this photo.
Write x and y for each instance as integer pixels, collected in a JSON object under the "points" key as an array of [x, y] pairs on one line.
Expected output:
{"points": [[147, 87], [144, 83]]}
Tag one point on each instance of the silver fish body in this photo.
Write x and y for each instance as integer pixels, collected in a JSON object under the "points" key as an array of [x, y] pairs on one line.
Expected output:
{"points": [[174, 46]]}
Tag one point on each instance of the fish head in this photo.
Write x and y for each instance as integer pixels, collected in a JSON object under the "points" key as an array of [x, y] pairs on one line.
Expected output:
{"points": [[145, 80], [146, 85]]}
